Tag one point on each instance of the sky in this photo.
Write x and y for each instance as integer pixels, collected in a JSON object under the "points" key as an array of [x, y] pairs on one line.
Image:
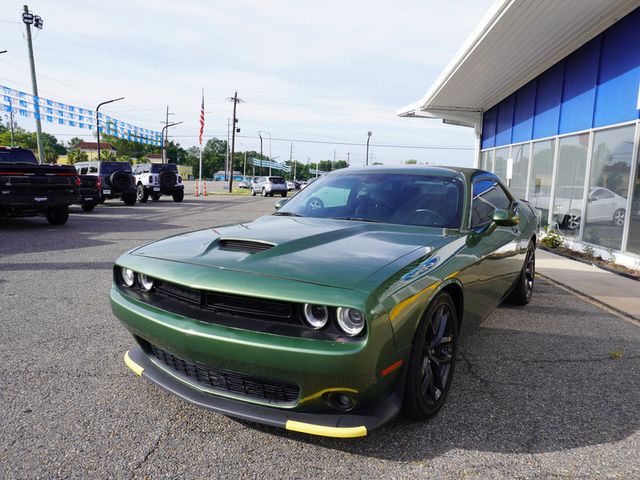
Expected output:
{"points": [[314, 75]]}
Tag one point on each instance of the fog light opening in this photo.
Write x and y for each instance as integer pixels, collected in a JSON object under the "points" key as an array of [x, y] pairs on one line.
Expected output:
{"points": [[341, 401]]}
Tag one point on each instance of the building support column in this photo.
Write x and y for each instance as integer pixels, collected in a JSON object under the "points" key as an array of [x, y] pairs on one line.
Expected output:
{"points": [[478, 144]]}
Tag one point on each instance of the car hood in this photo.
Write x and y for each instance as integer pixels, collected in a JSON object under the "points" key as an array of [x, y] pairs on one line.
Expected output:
{"points": [[330, 252]]}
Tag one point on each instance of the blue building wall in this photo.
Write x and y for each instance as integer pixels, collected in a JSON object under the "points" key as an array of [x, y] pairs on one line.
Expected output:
{"points": [[595, 86]]}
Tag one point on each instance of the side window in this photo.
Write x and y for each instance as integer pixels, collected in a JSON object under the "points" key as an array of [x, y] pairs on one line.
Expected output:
{"points": [[83, 171], [93, 169], [488, 195]]}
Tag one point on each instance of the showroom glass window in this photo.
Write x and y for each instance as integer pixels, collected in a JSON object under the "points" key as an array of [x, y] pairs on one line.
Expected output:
{"points": [[518, 182], [608, 186], [486, 161], [569, 191], [633, 244], [540, 181], [500, 163]]}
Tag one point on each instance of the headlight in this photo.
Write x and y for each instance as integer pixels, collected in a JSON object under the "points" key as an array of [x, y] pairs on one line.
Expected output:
{"points": [[350, 320], [145, 282], [127, 277], [316, 315]]}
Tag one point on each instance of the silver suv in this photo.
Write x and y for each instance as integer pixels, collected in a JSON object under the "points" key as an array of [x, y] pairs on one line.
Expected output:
{"points": [[268, 186]]}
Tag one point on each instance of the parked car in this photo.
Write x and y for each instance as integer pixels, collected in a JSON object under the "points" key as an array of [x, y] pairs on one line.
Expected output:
{"points": [[157, 179], [268, 186], [328, 319], [306, 183], [116, 180], [245, 182], [28, 189], [89, 191], [290, 185], [603, 205]]}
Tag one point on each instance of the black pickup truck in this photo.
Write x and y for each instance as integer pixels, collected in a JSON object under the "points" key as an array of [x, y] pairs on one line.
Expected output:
{"points": [[28, 189], [90, 187]]}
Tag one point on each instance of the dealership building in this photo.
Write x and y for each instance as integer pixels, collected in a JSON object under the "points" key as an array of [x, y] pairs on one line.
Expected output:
{"points": [[552, 89]]}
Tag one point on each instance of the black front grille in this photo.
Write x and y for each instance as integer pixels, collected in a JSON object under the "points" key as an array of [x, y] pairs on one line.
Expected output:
{"points": [[224, 380], [179, 292], [244, 246], [255, 307]]}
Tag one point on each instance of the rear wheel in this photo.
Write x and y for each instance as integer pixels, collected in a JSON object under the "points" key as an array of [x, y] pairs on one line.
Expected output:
{"points": [[88, 207], [523, 289], [432, 359], [58, 215], [178, 196], [618, 217], [155, 197], [284, 194], [264, 192], [142, 194], [129, 199]]}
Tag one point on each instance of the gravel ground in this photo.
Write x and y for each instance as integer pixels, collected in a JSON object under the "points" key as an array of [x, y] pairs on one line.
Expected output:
{"points": [[536, 392]]}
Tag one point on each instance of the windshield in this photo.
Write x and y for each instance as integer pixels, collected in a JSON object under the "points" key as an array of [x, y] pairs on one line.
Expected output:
{"points": [[405, 199], [157, 167], [16, 155], [110, 167]]}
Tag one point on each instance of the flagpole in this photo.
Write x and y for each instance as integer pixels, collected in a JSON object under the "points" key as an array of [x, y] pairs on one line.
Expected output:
{"points": [[199, 189]]}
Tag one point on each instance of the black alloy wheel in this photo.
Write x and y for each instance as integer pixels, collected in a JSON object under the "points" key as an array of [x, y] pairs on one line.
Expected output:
{"points": [[523, 288], [432, 359]]}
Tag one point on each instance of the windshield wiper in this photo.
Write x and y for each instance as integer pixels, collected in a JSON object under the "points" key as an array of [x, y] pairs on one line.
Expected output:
{"points": [[288, 214], [358, 219]]}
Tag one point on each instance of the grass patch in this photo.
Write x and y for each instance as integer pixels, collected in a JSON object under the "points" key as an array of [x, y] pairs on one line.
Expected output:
{"points": [[616, 354]]}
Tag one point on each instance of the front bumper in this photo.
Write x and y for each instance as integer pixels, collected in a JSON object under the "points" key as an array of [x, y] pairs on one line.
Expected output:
{"points": [[345, 425]]}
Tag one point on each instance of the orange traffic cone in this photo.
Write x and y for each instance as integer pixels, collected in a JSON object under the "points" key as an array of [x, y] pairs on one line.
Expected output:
{"points": [[197, 183], [205, 187]]}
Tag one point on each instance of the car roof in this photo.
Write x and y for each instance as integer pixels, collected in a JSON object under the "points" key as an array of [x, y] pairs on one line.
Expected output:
{"points": [[443, 171]]}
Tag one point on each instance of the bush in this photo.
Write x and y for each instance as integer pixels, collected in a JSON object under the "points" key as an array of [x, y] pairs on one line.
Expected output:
{"points": [[551, 239]]}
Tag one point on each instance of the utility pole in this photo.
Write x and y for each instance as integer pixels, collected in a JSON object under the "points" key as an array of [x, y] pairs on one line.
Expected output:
{"points": [[368, 138], [334, 159], [348, 153], [226, 153], [235, 101], [11, 118], [244, 169], [29, 18], [260, 135], [291, 159]]}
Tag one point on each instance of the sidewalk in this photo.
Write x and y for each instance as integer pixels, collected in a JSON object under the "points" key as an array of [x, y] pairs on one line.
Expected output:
{"points": [[617, 292]]}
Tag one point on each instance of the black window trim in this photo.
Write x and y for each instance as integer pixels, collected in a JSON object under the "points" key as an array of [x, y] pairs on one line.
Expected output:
{"points": [[512, 204]]}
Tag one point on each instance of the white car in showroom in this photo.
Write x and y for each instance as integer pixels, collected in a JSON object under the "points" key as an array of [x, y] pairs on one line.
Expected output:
{"points": [[603, 205]]}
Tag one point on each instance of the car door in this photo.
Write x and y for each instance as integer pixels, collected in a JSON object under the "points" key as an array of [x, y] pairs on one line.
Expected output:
{"points": [[498, 251], [599, 205]]}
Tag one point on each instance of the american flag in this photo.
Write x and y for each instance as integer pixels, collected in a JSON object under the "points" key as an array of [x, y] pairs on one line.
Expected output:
{"points": [[202, 118]]}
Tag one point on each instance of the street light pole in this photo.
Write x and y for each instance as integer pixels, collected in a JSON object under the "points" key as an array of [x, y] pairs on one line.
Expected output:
{"points": [[164, 139], [29, 18], [235, 101], [98, 120], [165, 135], [260, 135], [368, 138]]}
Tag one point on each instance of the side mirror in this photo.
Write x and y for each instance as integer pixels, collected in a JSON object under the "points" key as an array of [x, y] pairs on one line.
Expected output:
{"points": [[280, 203], [505, 218]]}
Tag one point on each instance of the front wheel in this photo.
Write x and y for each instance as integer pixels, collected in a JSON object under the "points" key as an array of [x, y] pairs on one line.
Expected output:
{"points": [[283, 194], [142, 194], [618, 217], [264, 192], [432, 359], [523, 289], [58, 215], [178, 196], [253, 192]]}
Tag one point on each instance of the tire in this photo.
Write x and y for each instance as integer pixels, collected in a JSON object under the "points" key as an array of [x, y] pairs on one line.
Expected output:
{"points": [[129, 199], [618, 217], [88, 207], [155, 197], [432, 360], [58, 215], [253, 192], [314, 203], [271, 194], [142, 194], [523, 288], [264, 192], [571, 221], [119, 180], [283, 194], [178, 196], [101, 198]]}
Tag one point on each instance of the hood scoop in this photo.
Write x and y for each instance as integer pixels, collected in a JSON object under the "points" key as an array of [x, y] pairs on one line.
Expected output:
{"points": [[239, 245]]}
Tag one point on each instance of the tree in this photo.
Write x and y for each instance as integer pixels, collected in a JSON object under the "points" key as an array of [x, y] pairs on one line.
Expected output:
{"points": [[411, 161], [76, 155], [74, 142], [377, 163]]}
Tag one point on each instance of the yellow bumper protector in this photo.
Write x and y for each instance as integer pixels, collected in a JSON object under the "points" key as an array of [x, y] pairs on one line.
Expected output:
{"points": [[336, 432], [135, 368]]}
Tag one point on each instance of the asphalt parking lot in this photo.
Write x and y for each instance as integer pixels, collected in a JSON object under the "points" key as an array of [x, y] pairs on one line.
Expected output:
{"points": [[536, 394]]}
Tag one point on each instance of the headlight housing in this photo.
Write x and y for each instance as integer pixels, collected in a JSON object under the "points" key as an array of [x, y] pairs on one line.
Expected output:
{"points": [[316, 316], [350, 321], [127, 276], [146, 283]]}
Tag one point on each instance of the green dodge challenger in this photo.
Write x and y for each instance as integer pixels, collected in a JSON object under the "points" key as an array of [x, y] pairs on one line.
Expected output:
{"points": [[338, 311]]}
